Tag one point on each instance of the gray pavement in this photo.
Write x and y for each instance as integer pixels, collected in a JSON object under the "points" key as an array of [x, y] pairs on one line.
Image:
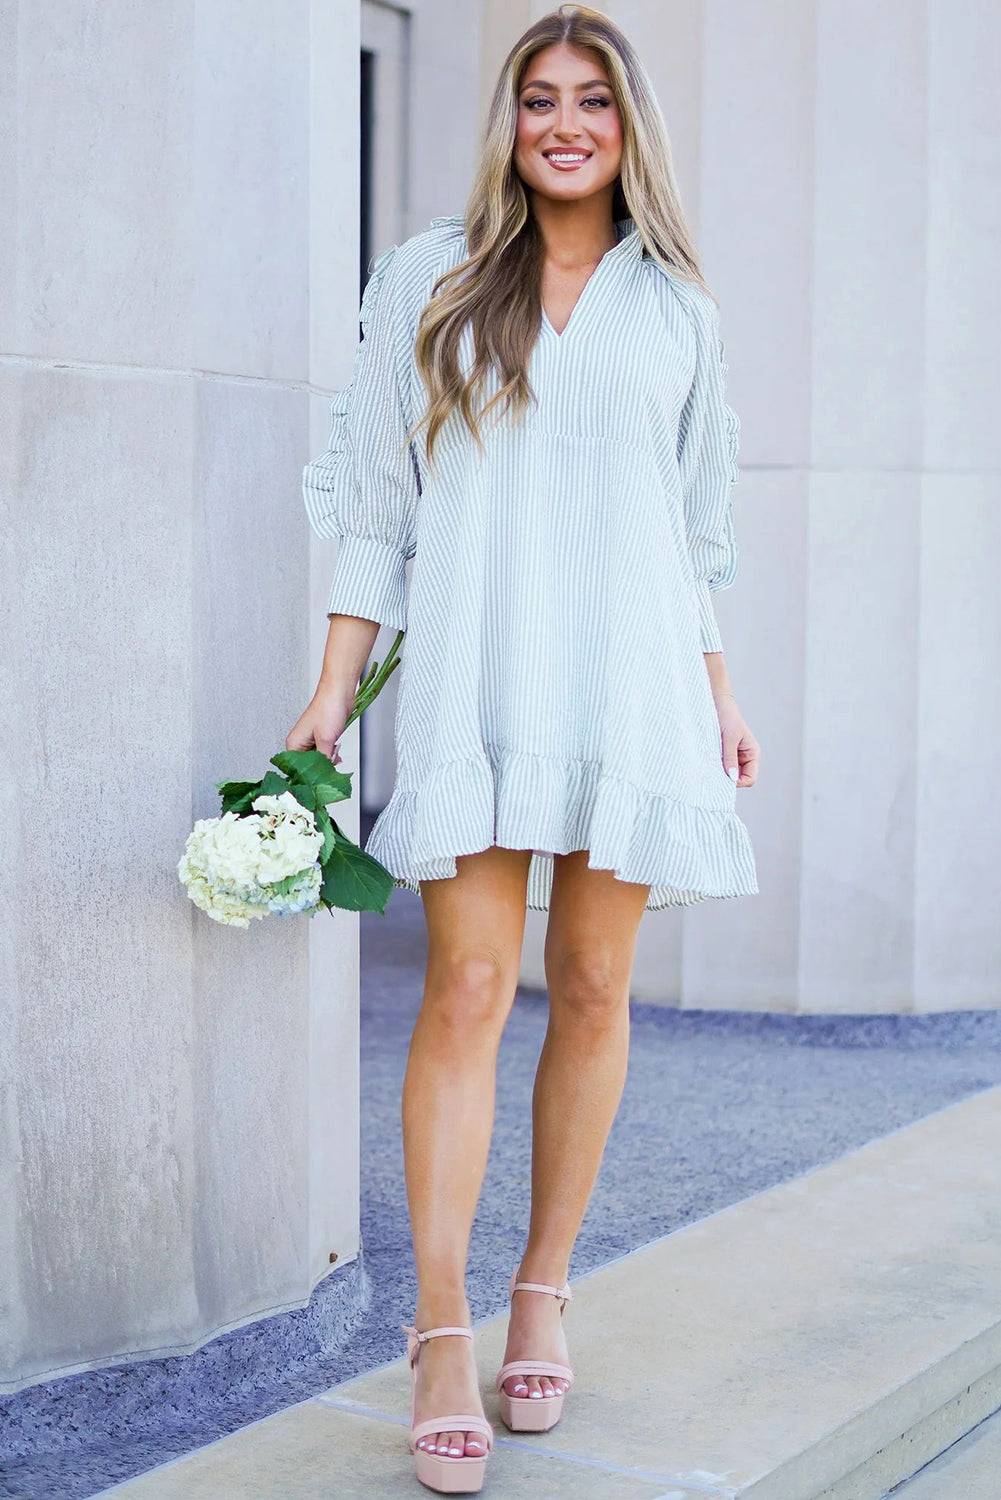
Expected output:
{"points": [[717, 1106]]}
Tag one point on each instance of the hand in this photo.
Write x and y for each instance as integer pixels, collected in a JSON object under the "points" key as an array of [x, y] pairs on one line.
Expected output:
{"points": [[322, 722], [739, 747]]}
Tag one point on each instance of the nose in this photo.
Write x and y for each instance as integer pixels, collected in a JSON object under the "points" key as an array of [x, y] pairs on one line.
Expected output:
{"points": [[566, 128]]}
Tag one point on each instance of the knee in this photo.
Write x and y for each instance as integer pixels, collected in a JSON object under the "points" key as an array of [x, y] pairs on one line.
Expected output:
{"points": [[468, 993], [587, 990]]}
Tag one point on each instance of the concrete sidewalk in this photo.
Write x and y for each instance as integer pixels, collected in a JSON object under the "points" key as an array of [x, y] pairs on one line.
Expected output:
{"points": [[824, 1338], [718, 1106], [969, 1470]]}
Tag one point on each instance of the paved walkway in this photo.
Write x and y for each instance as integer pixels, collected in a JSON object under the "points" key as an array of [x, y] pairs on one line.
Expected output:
{"points": [[717, 1107], [969, 1470], [818, 1341]]}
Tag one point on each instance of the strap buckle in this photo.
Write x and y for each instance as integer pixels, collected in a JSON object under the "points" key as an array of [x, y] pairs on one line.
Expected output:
{"points": [[563, 1293]]}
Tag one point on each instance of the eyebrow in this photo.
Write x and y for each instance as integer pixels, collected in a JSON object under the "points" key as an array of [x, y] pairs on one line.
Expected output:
{"points": [[543, 83]]}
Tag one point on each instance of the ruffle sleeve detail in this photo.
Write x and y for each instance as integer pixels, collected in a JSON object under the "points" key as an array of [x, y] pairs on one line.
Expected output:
{"points": [[363, 489]]}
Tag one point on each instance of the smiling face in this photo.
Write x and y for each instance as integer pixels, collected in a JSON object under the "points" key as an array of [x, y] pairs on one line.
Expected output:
{"points": [[568, 142]]}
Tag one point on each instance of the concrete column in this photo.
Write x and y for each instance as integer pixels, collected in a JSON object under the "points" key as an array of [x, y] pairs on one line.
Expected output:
{"points": [[957, 951], [180, 1099]]}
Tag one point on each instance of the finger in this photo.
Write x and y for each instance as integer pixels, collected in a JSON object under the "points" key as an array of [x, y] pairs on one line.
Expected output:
{"points": [[750, 758], [731, 762]]}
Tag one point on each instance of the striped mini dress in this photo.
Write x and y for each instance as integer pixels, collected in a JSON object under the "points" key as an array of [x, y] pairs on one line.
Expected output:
{"points": [[552, 690]]}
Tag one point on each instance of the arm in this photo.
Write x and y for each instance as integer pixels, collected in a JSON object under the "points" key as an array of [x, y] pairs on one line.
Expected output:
{"points": [[363, 490], [708, 439]]}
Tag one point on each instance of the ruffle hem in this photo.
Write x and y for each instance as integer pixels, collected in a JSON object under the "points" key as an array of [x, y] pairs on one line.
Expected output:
{"points": [[521, 800]]}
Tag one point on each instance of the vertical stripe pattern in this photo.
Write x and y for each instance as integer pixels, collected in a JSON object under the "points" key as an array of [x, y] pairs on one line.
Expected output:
{"points": [[553, 694]]}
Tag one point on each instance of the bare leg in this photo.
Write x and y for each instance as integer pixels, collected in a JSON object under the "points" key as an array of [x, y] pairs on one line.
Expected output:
{"points": [[475, 924], [590, 946]]}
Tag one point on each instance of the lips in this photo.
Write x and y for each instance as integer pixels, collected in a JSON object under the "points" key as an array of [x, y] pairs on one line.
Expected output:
{"points": [[576, 159]]}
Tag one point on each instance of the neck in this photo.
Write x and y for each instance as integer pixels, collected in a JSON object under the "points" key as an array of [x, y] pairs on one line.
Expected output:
{"points": [[576, 233]]}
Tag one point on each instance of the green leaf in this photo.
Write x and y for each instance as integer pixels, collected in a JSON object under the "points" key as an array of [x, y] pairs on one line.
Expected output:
{"points": [[353, 880], [317, 797], [304, 795], [312, 768], [326, 827], [326, 794], [235, 788], [273, 785], [238, 795], [304, 765]]}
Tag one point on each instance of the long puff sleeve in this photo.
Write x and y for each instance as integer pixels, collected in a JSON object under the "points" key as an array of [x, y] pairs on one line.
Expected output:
{"points": [[708, 440], [363, 489]]}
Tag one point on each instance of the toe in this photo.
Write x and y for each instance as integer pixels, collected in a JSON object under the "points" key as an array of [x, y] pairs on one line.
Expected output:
{"points": [[546, 1386], [534, 1388], [456, 1444], [515, 1385], [475, 1445]]}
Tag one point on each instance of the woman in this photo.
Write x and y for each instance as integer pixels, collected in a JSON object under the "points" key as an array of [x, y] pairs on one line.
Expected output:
{"points": [[537, 417]]}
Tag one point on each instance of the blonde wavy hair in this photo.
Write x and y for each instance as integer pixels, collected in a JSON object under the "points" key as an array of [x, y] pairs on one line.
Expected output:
{"points": [[497, 288]]}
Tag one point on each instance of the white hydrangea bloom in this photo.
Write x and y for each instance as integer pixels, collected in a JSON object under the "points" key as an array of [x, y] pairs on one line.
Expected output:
{"points": [[232, 864], [302, 896], [218, 903]]}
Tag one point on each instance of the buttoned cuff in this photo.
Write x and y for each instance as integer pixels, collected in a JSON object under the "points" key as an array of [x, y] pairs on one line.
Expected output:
{"points": [[370, 582]]}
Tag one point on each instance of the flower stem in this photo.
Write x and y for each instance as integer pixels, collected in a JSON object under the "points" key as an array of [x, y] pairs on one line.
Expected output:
{"points": [[375, 680]]}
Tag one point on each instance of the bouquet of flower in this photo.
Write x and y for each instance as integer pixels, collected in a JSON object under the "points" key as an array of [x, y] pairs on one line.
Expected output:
{"points": [[276, 848]]}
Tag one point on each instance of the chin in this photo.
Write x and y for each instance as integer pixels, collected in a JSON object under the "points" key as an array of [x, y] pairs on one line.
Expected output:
{"points": [[566, 192]]}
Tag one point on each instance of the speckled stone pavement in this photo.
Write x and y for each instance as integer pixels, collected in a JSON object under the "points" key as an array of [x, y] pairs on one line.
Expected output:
{"points": [[717, 1106]]}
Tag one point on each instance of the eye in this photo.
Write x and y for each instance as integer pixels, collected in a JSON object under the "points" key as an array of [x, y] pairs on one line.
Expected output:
{"points": [[602, 101]]}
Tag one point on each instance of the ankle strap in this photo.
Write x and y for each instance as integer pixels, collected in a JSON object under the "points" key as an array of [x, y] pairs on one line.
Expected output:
{"points": [[417, 1336], [433, 1333], [563, 1292]]}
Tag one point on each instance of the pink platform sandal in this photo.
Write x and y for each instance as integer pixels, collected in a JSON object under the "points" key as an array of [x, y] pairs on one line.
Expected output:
{"points": [[448, 1475], [533, 1413]]}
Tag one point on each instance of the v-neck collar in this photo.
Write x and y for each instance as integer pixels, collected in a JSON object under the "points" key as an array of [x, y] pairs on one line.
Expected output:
{"points": [[628, 244]]}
